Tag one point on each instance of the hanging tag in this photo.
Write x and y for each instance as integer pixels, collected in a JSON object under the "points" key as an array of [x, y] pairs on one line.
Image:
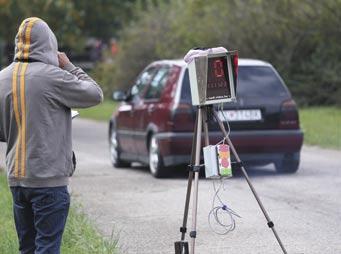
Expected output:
{"points": [[224, 160]]}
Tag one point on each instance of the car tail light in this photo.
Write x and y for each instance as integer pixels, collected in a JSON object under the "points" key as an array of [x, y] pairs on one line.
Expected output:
{"points": [[183, 117], [234, 60], [289, 115], [235, 65]]}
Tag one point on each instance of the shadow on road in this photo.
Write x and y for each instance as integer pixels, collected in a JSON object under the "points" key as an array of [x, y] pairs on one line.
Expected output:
{"points": [[181, 172]]}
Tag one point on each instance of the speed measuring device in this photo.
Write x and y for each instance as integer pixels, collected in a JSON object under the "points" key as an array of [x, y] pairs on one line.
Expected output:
{"points": [[213, 75]]}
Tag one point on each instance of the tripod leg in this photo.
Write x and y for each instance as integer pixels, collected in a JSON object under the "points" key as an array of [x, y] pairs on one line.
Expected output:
{"points": [[181, 247], [205, 123], [183, 229], [196, 179], [270, 223]]}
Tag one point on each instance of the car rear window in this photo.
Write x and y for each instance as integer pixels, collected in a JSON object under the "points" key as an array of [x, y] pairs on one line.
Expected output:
{"points": [[259, 81], [253, 81]]}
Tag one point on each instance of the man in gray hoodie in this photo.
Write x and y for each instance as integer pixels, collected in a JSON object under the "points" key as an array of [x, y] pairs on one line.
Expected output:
{"points": [[37, 92]]}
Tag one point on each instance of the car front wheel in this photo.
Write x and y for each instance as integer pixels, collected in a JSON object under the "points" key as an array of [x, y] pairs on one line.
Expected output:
{"points": [[156, 165], [114, 151]]}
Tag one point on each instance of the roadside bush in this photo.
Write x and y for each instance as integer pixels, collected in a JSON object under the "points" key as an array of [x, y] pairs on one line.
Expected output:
{"points": [[141, 43], [299, 37]]}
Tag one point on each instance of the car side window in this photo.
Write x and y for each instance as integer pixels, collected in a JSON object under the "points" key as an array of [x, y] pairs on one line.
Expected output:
{"points": [[186, 89], [142, 82], [158, 83]]}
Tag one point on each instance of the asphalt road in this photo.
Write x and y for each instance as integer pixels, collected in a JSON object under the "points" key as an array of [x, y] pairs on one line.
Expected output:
{"points": [[145, 213]]}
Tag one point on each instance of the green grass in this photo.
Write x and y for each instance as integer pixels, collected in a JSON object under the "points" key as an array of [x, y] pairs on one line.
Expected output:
{"points": [[101, 112], [322, 126], [80, 235]]}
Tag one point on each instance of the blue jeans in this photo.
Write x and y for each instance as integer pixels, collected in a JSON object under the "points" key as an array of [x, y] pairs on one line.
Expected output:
{"points": [[40, 216]]}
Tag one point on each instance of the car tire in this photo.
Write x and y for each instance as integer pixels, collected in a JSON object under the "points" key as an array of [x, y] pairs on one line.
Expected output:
{"points": [[115, 152], [289, 163], [156, 166]]}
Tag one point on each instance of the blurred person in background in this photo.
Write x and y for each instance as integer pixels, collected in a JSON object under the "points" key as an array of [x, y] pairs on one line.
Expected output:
{"points": [[37, 92]]}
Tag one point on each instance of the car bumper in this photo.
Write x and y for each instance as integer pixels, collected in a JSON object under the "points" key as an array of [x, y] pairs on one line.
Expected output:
{"points": [[254, 147]]}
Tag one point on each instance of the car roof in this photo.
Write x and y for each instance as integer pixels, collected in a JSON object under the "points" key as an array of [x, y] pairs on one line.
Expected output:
{"points": [[241, 62]]}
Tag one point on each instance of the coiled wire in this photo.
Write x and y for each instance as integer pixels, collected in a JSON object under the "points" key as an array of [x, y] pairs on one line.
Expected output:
{"points": [[221, 218]]}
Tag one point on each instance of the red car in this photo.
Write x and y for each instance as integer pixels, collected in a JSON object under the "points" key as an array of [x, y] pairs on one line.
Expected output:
{"points": [[155, 121]]}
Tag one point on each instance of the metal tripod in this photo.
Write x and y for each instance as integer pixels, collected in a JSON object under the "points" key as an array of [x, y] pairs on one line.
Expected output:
{"points": [[181, 247]]}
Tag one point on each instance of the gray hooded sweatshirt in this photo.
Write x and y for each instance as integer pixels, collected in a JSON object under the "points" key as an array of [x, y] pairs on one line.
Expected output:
{"points": [[35, 100]]}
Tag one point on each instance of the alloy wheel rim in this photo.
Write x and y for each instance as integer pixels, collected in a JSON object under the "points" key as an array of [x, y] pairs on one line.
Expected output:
{"points": [[153, 156], [113, 147]]}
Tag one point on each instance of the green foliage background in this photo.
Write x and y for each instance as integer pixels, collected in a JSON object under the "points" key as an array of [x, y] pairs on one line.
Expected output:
{"points": [[301, 38], [71, 20]]}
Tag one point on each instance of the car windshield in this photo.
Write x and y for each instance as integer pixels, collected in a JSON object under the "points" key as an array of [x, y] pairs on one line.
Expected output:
{"points": [[253, 81]]}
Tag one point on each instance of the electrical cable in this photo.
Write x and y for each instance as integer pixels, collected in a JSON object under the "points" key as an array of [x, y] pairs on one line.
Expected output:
{"points": [[218, 211], [221, 214], [221, 109]]}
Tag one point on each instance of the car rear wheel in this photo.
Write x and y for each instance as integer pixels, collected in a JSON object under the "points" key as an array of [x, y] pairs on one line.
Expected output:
{"points": [[156, 165], [115, 153], [289, 163]]}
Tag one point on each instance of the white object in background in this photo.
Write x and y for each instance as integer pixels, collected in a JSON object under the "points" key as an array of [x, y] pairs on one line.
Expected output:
{"points": [[193, 53], [74, 113]]}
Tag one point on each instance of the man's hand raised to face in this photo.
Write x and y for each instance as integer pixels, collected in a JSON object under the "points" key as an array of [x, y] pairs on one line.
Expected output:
{"points": [[63, 59]]}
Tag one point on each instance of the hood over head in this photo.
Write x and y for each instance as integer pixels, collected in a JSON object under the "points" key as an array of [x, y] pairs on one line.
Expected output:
{"points": [[35, 42]]}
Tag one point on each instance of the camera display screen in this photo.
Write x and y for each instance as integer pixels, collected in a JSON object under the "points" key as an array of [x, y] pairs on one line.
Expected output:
{"points": [[217, 79]]}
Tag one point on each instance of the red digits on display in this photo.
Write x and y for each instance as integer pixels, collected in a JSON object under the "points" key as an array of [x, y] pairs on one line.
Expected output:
{"points": [[218, 68]]}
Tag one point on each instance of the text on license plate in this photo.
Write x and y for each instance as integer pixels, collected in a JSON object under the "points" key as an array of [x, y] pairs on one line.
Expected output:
{"points": [[241, 115]]}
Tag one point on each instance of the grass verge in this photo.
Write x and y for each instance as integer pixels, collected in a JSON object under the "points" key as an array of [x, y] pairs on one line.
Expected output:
{"points": [[80, 235], [322, 126], [101, 112]]}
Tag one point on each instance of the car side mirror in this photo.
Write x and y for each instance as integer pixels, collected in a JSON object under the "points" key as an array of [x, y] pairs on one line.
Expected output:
{"points": [[119, 96]]}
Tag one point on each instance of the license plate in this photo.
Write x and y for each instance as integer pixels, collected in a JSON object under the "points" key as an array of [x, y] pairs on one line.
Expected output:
{"points": [[241, 115]]}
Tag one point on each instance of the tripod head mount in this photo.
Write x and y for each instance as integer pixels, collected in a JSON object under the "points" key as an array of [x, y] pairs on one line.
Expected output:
{"points": [[213, 75]]}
